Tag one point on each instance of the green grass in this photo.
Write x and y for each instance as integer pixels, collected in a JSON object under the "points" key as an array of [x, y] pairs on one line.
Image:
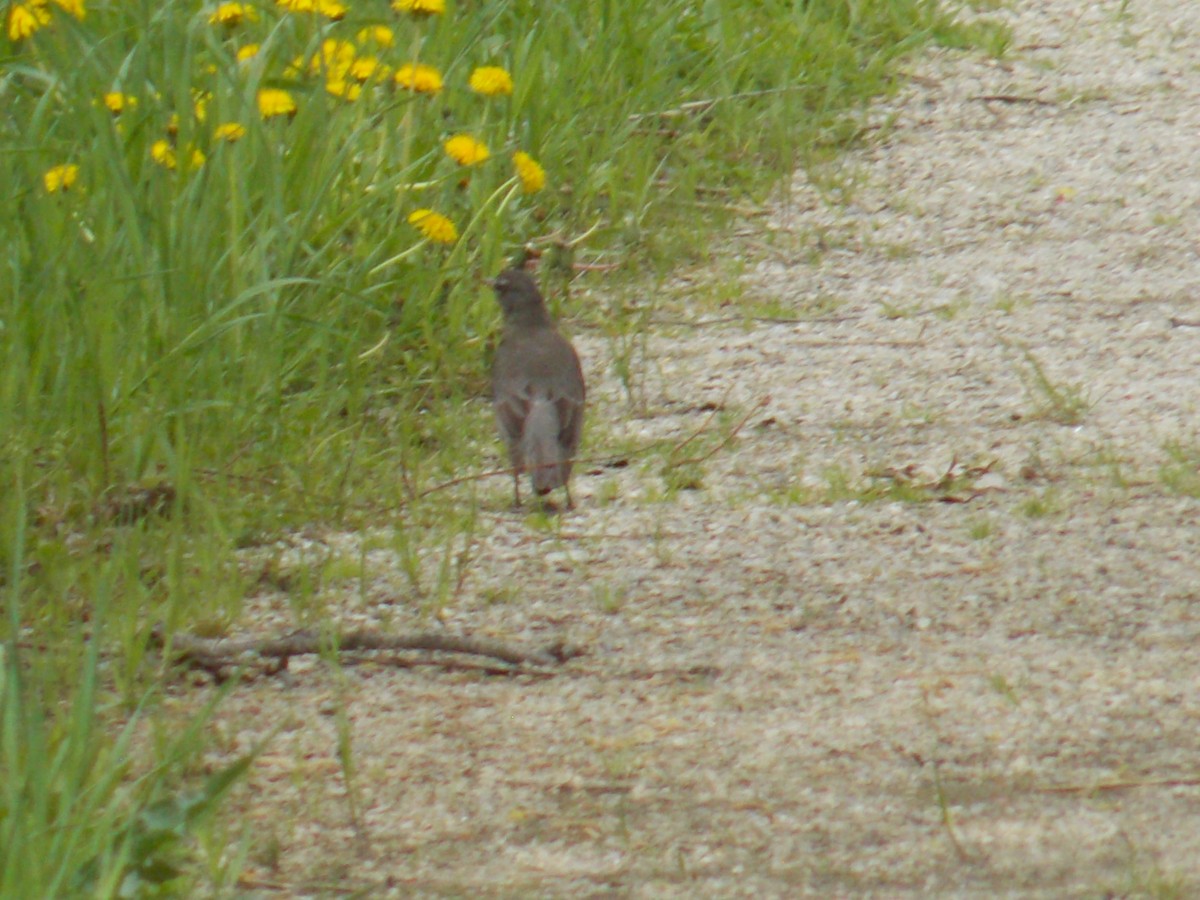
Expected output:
{"points": [[889, 485], [262, 340], [1066, 404], [1181, 474], [980, 529], [1042, 505], [83, 811]]}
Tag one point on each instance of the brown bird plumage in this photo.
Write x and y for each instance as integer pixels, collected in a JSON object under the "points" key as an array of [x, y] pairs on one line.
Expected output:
{"points": [[537, 388]]}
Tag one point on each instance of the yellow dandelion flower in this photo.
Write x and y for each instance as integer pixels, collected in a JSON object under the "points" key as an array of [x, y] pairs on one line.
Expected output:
{"points": [[74, 7], [379, 35], [60, 178], [229, 131], [466, 150], [420, 7], [491, 81], [434, 226], [530, 171], [200, 101], [420, 78], [26, 18], [340, 87], [334, 60], [366, 68], [331, 9], [233, 14], [296, 6], [163, 153], [117, 103], [173, 125], [248, 52], [274, 102]]}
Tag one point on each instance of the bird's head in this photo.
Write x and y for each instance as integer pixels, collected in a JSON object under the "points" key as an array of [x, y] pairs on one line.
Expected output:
{"points": [[519, 296]]}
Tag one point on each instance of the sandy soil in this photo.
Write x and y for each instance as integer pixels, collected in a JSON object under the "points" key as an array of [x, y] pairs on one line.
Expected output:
{"points": [[928, 627]]}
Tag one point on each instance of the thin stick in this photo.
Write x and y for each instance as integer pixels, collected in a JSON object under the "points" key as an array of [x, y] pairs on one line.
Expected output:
{"points": [[415, 495], [725, 441], [1012, 98], [492, 473], [717, 407], [701, 105], [212, 653], [103, 416], [1118, 786], [765, 320]]}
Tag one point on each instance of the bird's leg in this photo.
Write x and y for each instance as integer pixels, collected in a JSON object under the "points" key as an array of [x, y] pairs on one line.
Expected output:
{"points": [[516, 487], [570, 502]]}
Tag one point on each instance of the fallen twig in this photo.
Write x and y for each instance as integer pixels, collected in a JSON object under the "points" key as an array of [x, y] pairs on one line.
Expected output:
{"points": [[1013, 98], [699, 106], [608, 460], [712, 414], [1118, 786], [763, 320], [695, 461], [216, 654]]}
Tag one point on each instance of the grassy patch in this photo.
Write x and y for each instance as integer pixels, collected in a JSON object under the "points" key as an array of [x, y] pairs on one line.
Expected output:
{"points": [[81, 813], [980, 529], [1181, 473], [889, 485], [1041, 505], [1066, 404]]}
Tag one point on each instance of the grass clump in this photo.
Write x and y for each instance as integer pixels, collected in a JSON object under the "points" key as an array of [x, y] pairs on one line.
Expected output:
{"points": [[82, 811], [1181, 473], [1065, 404]]}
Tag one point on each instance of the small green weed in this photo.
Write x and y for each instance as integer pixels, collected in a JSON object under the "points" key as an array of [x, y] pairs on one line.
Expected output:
{"points": [[1181, 474], [1066, 404], [1041, 505], [981, 529]]}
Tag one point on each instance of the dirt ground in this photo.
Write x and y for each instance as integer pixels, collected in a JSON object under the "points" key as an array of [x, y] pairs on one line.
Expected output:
{"points": [[927, 627]]}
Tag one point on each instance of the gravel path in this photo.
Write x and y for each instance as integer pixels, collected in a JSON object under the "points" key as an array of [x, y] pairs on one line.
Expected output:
{"points": [[929, 625]]}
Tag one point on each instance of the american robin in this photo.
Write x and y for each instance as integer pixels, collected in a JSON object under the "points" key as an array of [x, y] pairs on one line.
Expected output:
{"points": [[537, 388]]}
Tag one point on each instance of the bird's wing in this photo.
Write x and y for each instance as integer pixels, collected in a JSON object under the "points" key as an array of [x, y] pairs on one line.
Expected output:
{"points": [[512, 409], [570, 422], [569, 404], [548, 369]]}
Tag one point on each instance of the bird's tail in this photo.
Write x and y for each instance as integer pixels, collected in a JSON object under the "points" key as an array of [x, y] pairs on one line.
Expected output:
{"points": [[540, 447]]}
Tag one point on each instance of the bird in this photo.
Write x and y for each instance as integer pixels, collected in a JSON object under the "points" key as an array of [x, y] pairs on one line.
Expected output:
{"points": [[537, 388]]}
